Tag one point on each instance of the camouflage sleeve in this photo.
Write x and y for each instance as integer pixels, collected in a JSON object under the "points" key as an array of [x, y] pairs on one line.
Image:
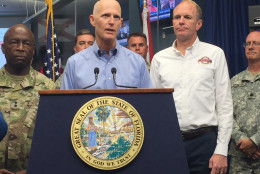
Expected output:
{"points": [[256, 138], [237, 134]]}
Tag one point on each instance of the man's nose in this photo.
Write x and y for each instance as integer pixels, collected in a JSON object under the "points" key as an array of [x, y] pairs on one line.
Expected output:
{"points": [[251, 46], [20, 46], [111, 19], [182, 20]]}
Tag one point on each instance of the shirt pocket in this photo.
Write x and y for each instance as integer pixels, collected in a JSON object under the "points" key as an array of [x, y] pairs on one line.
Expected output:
{"points": [[203, 79]]}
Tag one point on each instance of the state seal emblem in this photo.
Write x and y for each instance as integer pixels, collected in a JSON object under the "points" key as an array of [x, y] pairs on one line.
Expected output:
{"points": [[107, 133]]}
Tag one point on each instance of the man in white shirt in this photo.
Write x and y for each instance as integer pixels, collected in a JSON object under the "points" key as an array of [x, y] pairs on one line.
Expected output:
{"points": [[199, 75]]}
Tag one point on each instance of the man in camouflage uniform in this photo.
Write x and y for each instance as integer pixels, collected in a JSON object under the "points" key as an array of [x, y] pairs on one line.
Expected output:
{"points": [[245, 140], [19, 86]]}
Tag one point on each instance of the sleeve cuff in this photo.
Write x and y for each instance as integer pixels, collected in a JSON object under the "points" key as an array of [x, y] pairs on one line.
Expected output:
{"points": [[256, 139], [221, 149]]}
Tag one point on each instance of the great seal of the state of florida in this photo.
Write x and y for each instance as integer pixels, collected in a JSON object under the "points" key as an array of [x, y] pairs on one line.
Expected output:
{"points": [[107, 133]]}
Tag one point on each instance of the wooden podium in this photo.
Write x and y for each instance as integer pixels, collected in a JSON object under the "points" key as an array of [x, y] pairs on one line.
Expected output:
{"points": [[52, 151]]}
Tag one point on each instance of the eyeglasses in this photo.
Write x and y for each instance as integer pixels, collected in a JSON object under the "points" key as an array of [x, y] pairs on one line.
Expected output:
{"points": [[254, 43]]}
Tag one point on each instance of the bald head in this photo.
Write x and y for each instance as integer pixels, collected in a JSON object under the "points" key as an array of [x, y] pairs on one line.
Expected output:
{"points": [[19, 28], [198, 9], [106, 19], [18, 48], [102, 4]]}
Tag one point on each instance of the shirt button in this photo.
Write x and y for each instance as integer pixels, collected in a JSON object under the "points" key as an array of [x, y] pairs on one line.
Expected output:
{"points": [[109, 78], [108, 63]]}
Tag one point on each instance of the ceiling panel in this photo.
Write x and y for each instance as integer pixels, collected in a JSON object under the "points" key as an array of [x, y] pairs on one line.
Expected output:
{"points": [[20, 7]]}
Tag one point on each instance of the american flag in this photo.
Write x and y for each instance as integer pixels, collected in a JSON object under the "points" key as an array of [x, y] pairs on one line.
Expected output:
{"points": [[52, 67]]}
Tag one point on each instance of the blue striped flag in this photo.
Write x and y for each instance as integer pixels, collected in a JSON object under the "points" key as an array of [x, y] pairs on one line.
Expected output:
{"points": [[52, 67]]}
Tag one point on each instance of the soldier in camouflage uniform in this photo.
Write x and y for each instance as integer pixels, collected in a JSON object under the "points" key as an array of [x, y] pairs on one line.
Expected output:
{"points": [[245, 139], [19, 86]]}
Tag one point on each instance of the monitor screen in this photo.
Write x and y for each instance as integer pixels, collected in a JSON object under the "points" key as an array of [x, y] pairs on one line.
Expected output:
{"points": [[123, 33], [2, 56], [162, 10]]}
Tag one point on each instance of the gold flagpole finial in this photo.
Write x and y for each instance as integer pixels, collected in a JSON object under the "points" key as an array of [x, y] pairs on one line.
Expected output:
{"points": [[48, 2], [144, 2]]}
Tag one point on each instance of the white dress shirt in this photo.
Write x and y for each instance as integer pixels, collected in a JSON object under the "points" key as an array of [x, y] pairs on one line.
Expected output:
{"points": [[201, 83]]}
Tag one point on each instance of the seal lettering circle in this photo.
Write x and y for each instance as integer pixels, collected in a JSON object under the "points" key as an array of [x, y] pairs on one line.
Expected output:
{"points": [[107, 133]]}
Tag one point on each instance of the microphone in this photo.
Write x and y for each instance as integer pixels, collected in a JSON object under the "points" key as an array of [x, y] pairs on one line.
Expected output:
{"points": [[96, 72], [113, 71]]}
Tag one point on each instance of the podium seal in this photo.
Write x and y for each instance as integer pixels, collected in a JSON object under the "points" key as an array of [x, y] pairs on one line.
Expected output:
{"points": [[107, 133]]}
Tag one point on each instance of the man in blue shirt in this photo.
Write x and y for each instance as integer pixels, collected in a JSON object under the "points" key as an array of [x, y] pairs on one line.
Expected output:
{"points": [[105, 54]]}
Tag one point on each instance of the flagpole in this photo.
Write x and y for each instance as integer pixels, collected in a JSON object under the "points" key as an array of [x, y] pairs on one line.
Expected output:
{"points": [[158, 26], [53, 53], [50, 14]]}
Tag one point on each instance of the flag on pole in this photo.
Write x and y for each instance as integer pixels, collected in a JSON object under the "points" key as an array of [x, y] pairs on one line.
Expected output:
{"points": [[52, 67], [147, 32]]}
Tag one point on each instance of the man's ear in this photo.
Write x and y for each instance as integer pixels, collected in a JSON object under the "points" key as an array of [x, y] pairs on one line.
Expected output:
{"points": [[32, 56], [3, 49], [199, 25], [92, 20], [122, 20], [75, 49]]}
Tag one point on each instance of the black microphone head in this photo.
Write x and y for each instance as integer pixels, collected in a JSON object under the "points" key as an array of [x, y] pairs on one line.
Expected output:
{"points": [[113, 70], [96, 70]]}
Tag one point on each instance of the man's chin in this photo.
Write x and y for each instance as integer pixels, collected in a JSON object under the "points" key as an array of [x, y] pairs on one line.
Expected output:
{"points": [[20, 65], [110, 37]]}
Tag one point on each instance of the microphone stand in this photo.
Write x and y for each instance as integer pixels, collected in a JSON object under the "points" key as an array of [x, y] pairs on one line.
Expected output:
{"points": [[113, 71], [96, 71]]}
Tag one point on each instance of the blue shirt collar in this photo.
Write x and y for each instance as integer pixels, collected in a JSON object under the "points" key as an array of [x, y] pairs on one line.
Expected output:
{"points": [[99, 53]]}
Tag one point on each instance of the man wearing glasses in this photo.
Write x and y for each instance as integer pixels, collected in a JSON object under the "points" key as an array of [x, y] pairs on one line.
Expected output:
{"points": [[245, 139]]}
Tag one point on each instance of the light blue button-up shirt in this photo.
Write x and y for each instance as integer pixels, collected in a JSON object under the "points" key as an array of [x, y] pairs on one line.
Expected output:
{"points": [[131, 69]]}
